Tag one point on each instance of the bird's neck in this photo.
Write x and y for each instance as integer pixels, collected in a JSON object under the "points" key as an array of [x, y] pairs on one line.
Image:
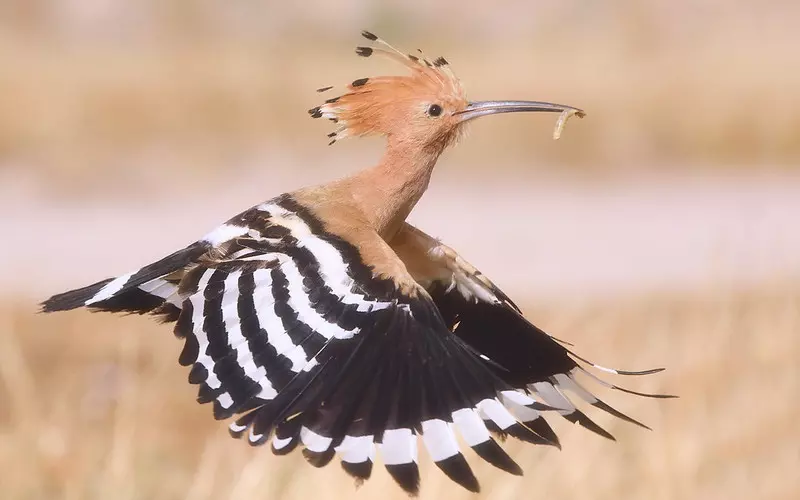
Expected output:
{"points": [[387, 192]]}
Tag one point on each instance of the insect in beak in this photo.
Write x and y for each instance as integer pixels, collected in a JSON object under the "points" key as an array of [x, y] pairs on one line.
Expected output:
{"points": [[483, 108]]}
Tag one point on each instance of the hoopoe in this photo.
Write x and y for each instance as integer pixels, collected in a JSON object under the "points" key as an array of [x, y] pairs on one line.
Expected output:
{"points": [[322, 318]]}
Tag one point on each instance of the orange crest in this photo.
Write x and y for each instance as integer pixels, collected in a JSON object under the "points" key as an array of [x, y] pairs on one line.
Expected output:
{"points": [[418, 107]]}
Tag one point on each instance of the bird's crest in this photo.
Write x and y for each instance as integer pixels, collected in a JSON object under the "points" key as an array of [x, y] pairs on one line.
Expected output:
{"points": [[377, 105]]}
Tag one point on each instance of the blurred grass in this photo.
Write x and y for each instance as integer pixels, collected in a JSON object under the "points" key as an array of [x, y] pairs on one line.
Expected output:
{"points": [[176, 90], [97, 407]]}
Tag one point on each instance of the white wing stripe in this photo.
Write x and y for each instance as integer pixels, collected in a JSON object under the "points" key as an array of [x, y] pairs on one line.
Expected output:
{"points": [[298, 300], [399, 446], [313, 441], [566, 382], [332, 266], [470, 426], [356, 449], [491, 409], [237, 341], [272, 324], [279, 443], [225, 400], [110, 289], [164, 289], [516, 403], [223, 233], [234, 427], [198, 304], [253, 437], [439, 439], [553, 397], [312, 363]]}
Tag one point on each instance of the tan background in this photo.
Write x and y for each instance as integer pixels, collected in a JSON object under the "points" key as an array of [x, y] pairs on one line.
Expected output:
{"points": [[659, 231]]}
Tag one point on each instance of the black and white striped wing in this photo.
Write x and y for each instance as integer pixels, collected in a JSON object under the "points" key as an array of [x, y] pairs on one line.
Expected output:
{"points": [[286, 327], [289, 330], [518, 352]]}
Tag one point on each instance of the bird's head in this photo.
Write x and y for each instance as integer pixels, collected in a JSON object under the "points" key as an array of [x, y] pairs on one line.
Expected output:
{"points": [[425, 109]]}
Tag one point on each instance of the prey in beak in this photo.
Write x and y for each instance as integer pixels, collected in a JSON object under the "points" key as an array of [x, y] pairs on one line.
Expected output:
{"points": [[484, 108]]}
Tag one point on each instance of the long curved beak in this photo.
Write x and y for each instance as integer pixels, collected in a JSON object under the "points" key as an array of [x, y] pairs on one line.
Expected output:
{"points": [[484, 108]]}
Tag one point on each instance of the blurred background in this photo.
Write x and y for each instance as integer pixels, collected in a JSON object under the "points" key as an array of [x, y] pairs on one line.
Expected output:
{"points": [[661, 230]]}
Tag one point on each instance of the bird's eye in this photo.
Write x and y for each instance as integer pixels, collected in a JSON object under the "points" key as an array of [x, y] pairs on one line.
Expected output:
{"points": [[434, 110]]}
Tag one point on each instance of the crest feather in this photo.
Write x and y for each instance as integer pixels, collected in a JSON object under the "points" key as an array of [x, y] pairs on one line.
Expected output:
{"points": [[358, 110]]}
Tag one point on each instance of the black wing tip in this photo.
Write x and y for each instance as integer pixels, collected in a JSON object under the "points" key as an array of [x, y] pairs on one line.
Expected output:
{"points": [[319, 459], [457, 469], [72, 299], [286, 449], [206, 394], [166, 313], [493, 453], [543, 429], [622, 389], [659, 396], [198, 374], [578, 417], [189, 353], [496, 431], [360, 471], [406, 475], [614, 371], [66, 301], [644, 394], [49, 305], [640, 372], [527, 435], [222, 413], [236, 433], [259, 441], [613, 411]]}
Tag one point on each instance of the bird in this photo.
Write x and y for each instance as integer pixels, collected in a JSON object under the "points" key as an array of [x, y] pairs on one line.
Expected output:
{"points": [[322, 319]]}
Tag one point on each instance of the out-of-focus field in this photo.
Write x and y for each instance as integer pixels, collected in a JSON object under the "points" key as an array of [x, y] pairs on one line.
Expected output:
{"points": [[97, 407], [94, 94]]}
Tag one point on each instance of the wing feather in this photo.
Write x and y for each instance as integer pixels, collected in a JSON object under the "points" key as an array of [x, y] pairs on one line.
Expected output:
{"points": [[287, 328], [517, 351]]}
